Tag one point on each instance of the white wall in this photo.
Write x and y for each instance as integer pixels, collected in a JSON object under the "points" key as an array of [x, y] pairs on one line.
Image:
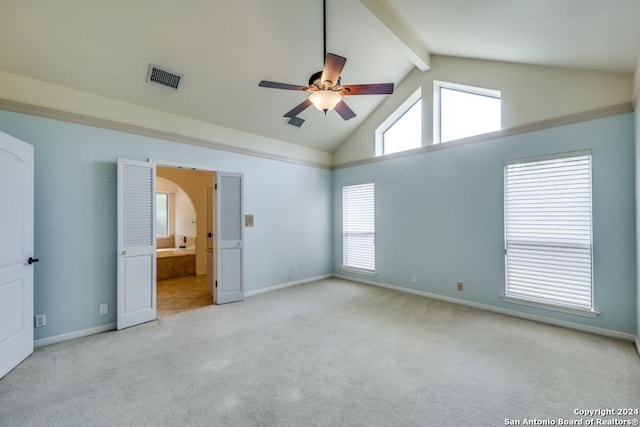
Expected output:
{"points": [[636, 103], [530, 94], [637, 147]]}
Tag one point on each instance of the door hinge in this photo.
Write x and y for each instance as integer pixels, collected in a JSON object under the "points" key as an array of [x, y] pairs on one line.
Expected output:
{"points": [[216, 186], [216, 283]]}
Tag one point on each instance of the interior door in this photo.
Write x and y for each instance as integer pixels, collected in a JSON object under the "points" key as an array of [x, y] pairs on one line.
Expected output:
{"points": [[16, 252], [211, 240], [229, 237], [136, 242]]}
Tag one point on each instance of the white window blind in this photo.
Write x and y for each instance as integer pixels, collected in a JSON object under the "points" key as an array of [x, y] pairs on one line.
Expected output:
{"points": [[548, 231], [358, 227]]}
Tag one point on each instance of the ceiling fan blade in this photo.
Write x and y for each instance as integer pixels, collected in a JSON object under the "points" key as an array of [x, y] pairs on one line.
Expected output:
{"points": [[371, 89], [333, 65], [298, 108], [345, 112], [274, 85]]}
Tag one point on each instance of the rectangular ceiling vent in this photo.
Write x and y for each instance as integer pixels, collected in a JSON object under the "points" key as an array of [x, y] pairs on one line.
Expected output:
{"points": [[295, 121], [163, 77]]}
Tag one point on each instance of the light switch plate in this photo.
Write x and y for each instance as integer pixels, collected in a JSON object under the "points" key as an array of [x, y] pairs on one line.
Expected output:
{"points": [[248, 220]]}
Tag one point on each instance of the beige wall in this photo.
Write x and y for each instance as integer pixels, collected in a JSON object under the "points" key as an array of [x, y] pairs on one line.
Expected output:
{"points": [[194, 183], [182, 212], [530, 94]]}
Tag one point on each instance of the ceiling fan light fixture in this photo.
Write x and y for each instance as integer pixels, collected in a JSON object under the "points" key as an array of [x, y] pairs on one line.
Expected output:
{"points": [[325, 100]]}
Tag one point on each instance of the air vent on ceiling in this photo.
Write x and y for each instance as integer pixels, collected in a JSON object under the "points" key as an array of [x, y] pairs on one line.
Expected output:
{"points": [[163, 77], [295, 121]]}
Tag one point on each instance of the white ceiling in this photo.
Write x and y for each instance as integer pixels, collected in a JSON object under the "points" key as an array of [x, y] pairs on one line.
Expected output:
{"points": [[224, 48], [588, 34]]}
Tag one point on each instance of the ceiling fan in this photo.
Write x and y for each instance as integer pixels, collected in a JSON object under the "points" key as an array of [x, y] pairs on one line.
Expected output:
{"points": [[326, 85]]}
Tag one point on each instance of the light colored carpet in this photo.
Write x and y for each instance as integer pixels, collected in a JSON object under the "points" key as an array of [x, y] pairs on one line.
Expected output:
{"points": [[331, 353]]}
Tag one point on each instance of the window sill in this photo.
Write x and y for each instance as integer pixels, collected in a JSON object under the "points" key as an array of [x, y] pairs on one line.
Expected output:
{"points": [[569, 310], [364, 272]]}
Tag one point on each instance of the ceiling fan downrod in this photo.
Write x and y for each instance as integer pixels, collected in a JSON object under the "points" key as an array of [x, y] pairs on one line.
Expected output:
{"points": [[324, 29]]}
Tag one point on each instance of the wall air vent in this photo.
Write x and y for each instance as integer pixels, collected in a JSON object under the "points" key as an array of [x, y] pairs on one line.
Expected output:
{"points": [[163, 77]]}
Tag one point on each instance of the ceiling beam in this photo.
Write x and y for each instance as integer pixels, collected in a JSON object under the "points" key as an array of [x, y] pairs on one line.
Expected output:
{"points": [[385, 21]]}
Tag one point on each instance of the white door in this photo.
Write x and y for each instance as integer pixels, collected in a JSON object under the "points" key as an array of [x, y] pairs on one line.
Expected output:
{"points": [[229, 236], [136, 242], [211, 240], [16, 252]]}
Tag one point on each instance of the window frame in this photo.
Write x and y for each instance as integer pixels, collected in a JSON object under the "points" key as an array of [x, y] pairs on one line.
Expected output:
{"points": [[539, 300], [168, 210], [437, 107], [346, 233], [394, 117]]}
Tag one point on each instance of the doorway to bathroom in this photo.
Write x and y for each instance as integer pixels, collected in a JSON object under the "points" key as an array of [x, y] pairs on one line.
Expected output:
{"points": [[185, 238], [136, 238]]}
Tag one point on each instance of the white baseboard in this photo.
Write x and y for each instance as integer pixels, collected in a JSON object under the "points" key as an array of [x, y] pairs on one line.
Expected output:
{"points": [[584, 328], [112, 326], [287, 285], [72, 335], [536, 318]]}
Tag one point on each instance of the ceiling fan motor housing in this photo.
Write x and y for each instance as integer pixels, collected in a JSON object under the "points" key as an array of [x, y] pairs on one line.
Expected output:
{"points": [[314, 81]]}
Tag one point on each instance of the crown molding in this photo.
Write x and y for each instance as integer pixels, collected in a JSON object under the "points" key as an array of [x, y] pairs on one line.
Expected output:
{"points": [[613, 110], [51, 113]]}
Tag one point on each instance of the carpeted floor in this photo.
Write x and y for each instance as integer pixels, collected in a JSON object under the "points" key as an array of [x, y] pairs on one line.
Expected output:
{"points": [[331, 353]]}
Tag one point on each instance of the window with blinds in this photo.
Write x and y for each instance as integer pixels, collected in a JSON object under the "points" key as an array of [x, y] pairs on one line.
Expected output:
{"points": [[548, 239], [358, 227]]}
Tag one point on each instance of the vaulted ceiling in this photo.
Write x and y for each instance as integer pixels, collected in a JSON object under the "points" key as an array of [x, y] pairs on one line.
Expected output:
{"points": [[224, 48]]}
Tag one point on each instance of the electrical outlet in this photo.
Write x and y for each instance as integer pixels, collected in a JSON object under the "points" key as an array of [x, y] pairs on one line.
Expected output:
{"points": [[41, 320], [104, 309], [414, 278], [460, 286]]}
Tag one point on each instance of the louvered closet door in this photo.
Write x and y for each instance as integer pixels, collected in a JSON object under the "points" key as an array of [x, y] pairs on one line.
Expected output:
{"points": [[229, 277], [136, 243]]}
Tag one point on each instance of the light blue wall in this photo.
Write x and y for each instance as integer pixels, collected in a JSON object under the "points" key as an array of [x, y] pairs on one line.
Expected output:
{"points": [[439, 215], [75, 215]]}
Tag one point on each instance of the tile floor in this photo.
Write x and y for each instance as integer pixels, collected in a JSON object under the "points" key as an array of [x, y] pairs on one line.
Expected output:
{"points": [[181, 294]]}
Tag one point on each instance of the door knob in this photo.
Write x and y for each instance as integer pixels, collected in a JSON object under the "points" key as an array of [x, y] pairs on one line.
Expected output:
{"points": [[123, 253]]}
